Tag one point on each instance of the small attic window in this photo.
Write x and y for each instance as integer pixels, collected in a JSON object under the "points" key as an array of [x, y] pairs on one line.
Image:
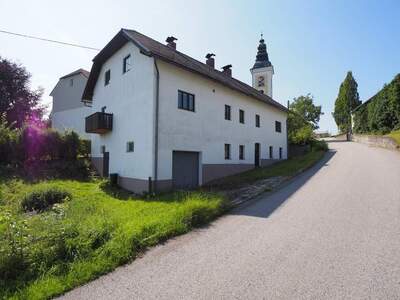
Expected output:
{"points": [[126, 66], [107, 77], [71, 82]]}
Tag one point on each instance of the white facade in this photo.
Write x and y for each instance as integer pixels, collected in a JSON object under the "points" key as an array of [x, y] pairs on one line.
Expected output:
{"points": [[132, 99], [206, 130], [68, 111]]}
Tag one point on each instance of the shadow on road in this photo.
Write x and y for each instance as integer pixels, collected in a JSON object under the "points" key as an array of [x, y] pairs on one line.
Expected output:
{"points": [[265, 205], [337, 141]]}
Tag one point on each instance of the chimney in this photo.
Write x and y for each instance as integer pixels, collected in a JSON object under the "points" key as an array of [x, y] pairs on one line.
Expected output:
{"points": [[227, 70], [171, 42], [210, 60]]}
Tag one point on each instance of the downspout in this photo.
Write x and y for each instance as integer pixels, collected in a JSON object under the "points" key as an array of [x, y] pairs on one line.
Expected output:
{"points": [[287, 136], [156, 127]]}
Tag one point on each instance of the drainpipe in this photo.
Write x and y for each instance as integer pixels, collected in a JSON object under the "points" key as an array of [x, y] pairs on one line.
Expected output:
{"points": [[156, 127], [287, 136]]}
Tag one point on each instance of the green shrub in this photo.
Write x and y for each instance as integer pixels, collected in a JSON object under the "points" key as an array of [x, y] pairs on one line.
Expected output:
{"points": [[71, 146], [32, 143], [8, 138], [53, 146], [85, 148], [78, 169], [43, 198], [302, 136], [317, 145]]}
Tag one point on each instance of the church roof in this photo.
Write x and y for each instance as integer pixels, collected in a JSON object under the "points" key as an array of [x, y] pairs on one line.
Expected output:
{"points": [[262, 59]]}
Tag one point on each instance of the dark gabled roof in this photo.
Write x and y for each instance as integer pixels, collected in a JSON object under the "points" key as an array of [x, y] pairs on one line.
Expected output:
{"points": [[79, 71], [151, 47]]}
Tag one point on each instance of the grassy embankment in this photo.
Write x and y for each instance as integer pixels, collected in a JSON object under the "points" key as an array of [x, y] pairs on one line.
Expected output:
{"points": [[45, 254]]}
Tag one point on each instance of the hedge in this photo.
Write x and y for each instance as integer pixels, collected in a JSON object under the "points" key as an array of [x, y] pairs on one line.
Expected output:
{"points": [[380, 114], [31, 143]]}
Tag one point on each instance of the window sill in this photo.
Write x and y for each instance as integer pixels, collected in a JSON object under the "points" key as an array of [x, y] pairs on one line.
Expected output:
{"points": [[186, 109]]}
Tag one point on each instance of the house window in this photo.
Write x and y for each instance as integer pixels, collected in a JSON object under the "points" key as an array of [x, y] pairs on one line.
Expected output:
{"points": [[102, 149], [257, 121], [241, 116], [241, 152], [185, 101], [280, 152], [227, 112], [227, 151], [130, 146], [271, 152], [126, 65], [107, 77], [278, 126], [71, 82]]}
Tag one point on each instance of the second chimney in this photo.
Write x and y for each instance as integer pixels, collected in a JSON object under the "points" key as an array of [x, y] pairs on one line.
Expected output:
{"points": [[171, 42], [227, 70], [210, 60]]}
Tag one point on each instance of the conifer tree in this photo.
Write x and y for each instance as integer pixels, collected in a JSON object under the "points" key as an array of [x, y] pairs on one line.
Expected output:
{"points": [[347, 100]]}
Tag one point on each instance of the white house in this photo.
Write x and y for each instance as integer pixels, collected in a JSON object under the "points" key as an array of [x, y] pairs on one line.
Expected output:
{"points": [[166, 120], [69, 112]]}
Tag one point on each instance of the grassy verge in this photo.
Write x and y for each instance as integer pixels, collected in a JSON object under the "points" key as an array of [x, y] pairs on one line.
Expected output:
{"points": [[48, 253], [395, 135], [288, 167]]}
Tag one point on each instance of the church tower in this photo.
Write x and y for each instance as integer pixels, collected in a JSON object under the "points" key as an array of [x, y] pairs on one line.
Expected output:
{"points": [[262, 70]]}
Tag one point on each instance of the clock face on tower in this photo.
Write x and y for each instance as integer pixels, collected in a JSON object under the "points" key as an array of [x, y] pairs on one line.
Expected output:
{"points": [[261, 81]]}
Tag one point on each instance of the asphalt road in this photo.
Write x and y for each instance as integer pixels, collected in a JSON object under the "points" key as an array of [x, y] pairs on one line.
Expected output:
{"points": [[332, 233]]}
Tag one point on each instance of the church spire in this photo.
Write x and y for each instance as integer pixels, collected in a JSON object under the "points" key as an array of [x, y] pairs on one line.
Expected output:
{"points": [[262, 59], [262, 70]]}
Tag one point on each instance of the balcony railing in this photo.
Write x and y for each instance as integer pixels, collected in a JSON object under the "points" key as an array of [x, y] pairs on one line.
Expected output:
{"points": [[99, 122]]}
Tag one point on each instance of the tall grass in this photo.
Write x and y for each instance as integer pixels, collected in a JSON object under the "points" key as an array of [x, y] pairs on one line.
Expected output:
{"points": [[92, 234], [395, 135]]}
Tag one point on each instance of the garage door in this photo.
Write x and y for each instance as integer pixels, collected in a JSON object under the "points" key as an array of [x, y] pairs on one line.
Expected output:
{"points": [[185, 169]]}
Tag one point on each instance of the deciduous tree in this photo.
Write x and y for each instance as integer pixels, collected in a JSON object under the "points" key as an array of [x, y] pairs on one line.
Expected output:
{"points": [[305, 107], [303, 118], [17, 100]]}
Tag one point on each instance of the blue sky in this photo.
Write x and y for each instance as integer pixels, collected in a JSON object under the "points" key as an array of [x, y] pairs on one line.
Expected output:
{"points": [[312, 44]]}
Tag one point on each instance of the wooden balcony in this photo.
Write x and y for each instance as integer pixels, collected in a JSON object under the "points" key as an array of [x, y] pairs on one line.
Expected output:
{"points": [[99, 122]]}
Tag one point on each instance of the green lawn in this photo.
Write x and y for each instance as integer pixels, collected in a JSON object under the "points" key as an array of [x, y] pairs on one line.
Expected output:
{"points": [[288, 167], [45, 254], [395, 135]]}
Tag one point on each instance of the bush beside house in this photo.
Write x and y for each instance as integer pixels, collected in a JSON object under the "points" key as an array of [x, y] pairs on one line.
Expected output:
{"points": [[303, 118], [37, 151]]}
